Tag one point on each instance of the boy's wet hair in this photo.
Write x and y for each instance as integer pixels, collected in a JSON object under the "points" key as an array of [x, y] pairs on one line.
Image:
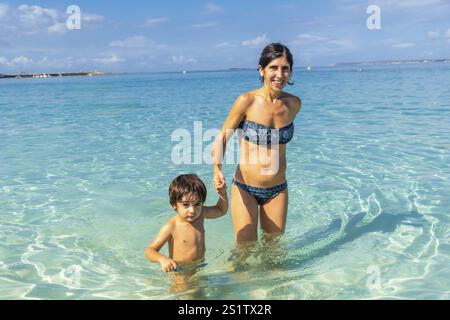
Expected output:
{"points": [[188, 185]]}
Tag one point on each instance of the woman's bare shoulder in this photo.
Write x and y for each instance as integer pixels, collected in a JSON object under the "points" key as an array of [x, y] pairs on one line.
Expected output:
{"points": [[292, 100], [247, 97], [243, 102], [291, 97]]}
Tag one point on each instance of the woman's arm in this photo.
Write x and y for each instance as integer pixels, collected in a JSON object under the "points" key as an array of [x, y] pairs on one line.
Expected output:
{"points": [[237, 112]]}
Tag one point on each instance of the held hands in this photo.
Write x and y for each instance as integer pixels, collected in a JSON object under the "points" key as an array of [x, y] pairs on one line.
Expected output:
{"points": [[220, 183], [167, 264]]}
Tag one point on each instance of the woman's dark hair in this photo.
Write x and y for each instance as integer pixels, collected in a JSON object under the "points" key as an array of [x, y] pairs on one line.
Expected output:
{"points": [[273, 51], [188, 185]]}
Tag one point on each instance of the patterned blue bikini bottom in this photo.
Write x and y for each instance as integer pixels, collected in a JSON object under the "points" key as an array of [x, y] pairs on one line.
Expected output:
{"points": [[261, 195]]}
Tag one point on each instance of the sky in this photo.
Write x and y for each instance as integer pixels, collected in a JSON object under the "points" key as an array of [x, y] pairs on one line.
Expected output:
{"points": [[154, 36]]}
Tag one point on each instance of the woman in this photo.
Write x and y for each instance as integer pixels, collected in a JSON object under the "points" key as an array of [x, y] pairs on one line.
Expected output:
{"points": [[264, 118]]}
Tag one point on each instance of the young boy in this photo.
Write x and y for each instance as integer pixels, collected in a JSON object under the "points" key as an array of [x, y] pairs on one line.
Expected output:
{"points": [[185, 231]]}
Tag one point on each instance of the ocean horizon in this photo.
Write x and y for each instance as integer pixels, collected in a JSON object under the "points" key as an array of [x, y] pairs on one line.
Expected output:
{"points": [[425, 61]]}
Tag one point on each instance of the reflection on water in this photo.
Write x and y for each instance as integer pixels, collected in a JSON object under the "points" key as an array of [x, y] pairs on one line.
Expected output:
{"points": [[187, 282], [268, 252], [274, 261], [322, 241]]}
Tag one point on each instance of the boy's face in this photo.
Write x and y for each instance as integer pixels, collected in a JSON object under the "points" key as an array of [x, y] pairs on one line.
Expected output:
{"points": [[189, 208]]}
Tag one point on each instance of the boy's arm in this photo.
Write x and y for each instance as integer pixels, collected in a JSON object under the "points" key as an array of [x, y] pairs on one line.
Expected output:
{"points": [[152, 251], [219, 209]]}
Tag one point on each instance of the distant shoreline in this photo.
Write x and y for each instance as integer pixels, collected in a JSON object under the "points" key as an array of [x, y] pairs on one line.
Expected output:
{"points": [[338, 64], [48, 75], [232, 69], [390, 62]]}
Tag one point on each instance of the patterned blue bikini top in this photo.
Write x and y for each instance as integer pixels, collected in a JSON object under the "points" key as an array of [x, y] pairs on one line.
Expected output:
{"points": [[264, 135]]}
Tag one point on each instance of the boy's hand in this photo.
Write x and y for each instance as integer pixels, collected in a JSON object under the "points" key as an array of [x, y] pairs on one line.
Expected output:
{"points": [[167, 264], [219, 183]]}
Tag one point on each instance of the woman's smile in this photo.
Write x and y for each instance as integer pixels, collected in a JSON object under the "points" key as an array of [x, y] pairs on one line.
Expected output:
{"points": [[278, 83]]}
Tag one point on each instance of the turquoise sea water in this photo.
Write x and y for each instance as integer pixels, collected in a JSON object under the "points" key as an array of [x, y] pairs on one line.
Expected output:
{"points": [[85, 164]]}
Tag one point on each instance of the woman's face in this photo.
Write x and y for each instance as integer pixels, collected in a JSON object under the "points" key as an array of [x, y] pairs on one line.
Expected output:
{"points": [[276, 74]]}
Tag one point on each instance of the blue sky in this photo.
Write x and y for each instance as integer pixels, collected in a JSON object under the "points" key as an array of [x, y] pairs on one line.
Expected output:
{"points": [[151, 36]]}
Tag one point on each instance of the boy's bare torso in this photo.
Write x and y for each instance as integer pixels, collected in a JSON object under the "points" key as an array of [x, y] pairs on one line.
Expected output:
{"points": [[187, 241]]}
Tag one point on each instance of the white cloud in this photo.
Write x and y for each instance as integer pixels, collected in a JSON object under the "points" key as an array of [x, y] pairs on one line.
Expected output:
{"points": [[433, 35], [153, 22], [58, 27], [306, 38], [358, 6], [403, 45], [204, 25], [36, 15], [92, 17], [63, 63], [342, 44], [447, 34], [17, 61], [4, 9], [310, 46], [409, 3], [213, 8], [21, 60], [33, 19], [223, 44], [256, 41], [322, 43], [136, 42], [59, 64], [183, 60], [113, 58]]}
